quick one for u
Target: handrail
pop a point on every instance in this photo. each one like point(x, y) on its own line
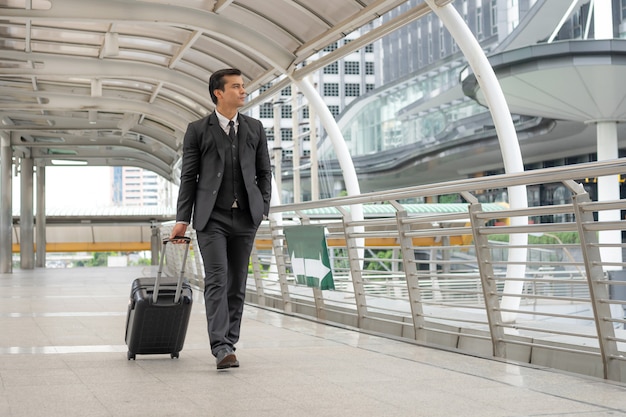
point(538, 176)
point(438, 278)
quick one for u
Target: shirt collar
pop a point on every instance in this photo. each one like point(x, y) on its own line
point(224, 120)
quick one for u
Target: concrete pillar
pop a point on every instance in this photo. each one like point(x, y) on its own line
point(315, 179)
point(40, 216)
point(608, 189)
point(27, 232)
point(278, 151)
point(6, 215)
point(295, 157)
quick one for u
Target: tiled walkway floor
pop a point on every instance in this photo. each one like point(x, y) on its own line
point(62, 354)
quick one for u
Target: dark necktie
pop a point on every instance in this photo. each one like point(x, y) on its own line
point(231, 131)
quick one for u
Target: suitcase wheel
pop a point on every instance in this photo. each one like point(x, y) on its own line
point(174, 355)
point(130, 355)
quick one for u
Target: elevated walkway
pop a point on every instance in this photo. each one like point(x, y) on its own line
point(62, 353)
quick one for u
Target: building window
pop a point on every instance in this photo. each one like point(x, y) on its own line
point(479, 21)
point(286, 134)
point(369, 87)
point(331, 89)
point(430, 47)
point(334, 110)
point(353, 90)
point(286, 91)
point(442, 42)
point(305, 138)
point(464, 10)
point(305, 112)
point(266, 111)
point(494, 17)
point(351, 68)
point(285, 111)
point(370, 47)
point(265, 87)
point(369, 68)
point(420, 53)
point(269, 133)
point(330, 47)
point(332, 68)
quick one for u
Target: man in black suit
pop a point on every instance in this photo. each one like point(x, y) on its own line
point(225, 182)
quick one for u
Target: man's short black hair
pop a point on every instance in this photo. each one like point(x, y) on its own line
point(217, 82)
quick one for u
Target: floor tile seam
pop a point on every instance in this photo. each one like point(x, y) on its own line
point(17, 315)
point(86, 296)
point(63, 314)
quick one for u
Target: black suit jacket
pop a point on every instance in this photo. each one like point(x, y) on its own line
point(203, 168)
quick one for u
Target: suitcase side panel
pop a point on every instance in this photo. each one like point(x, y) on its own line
point(157, 328)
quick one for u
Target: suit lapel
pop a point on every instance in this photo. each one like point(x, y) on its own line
point(215, 134)
point(242, 135)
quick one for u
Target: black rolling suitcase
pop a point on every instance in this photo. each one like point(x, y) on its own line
point(158, 312)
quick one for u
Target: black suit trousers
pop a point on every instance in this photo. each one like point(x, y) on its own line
point(225, 244)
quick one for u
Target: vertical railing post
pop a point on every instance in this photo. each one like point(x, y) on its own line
point(487, 278)
point(256, 273)
point(281, 264)
point(410, 271)
point(355, 262)
point(598, 290)
point(155, 243)
point(6, 203)
point(198, 264)
point(318, 294)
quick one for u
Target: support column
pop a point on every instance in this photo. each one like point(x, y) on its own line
point(608, 189)
point(278, 151)
point(335, 136)
point(315, 179)
point(295, 156)
point(343, 154)
point(40, 223)
point(27, 254)
point(507, 137)
point(6, 215)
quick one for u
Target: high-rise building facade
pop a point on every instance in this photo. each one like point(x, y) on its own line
point(420, 127)
point(138, 187)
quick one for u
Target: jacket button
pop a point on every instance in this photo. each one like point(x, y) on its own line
point(219, 174)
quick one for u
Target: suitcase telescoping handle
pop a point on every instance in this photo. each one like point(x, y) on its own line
point(179, 285)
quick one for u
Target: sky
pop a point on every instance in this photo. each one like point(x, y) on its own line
point(72, 187)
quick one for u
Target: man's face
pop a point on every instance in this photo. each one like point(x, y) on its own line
point(234, 94)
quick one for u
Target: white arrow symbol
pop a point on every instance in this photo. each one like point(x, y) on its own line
point(309, 267)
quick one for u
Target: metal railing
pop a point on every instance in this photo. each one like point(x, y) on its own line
point(443, 278)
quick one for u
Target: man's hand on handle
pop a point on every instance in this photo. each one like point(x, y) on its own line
point(178, 230)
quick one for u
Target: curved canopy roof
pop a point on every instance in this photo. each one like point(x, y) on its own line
point(115, 82)
point(578, 80)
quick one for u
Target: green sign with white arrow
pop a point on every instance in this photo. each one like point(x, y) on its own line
point(309, 256)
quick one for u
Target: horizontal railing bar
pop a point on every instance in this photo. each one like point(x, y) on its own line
point(535, 344)
point(538, 176)
point(546, 314)
point(549, 331)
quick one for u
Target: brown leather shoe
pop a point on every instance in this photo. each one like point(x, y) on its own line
point(226, 359)
point(235, 364)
